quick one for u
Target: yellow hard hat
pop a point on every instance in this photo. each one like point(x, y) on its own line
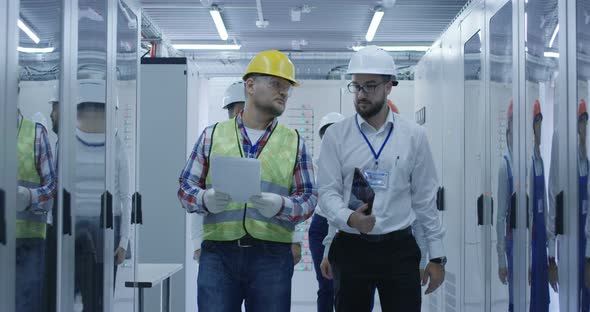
point(273, 63)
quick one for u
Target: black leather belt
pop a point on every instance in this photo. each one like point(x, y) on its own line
point(249, 241)
point(395, 235)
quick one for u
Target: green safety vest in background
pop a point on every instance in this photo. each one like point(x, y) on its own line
point(28, 224)
point(278, 159)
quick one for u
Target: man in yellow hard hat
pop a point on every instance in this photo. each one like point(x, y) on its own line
point(246, 252)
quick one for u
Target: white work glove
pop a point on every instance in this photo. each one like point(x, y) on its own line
point(215, 202)
point(23, 200)
point(268, 204)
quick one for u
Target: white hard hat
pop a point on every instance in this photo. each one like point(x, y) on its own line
point(234, 93)
point(372, 60)
point(91, 91)
point(54, 94)
point(330, 118)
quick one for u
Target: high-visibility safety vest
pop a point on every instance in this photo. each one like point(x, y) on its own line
point(278, 159)
point(28, 224)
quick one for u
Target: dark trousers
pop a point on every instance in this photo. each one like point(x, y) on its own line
point(89, 262)
point(391, 265)
point(317, 232)
point(50, 283)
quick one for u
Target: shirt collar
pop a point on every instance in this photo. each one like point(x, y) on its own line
point(363, 124)
point(241, 125)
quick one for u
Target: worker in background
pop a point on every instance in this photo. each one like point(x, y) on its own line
point(505, 242)
point(394, 155)
point(583, 168)
point(51, 241)
point(89, 183)
point(246, 251)
point(35, 195)
point(318, 230)
point(541, 236)
point(417, 231)
point(234, 100)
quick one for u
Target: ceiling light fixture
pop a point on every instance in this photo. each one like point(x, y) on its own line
point(551, 54)
point(216, 15)
point(207, 46)
point(397, 48)
point(552, 41)
point(377, 16)
point(28, 31)
point(35, 50)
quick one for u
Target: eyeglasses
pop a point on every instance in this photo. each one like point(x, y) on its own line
point(354, 87)
point(278, 85)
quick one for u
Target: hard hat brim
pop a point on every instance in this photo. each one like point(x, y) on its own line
point(294, 83)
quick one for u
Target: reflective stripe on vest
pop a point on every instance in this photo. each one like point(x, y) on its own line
point(278, 159)
point(28, 177)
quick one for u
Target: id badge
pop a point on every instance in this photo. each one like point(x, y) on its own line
point(585, 207)
point(377, 179)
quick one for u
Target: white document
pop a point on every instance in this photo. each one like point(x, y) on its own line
point(238, 177)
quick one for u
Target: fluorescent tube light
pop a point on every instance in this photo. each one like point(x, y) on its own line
point(28, 31)
point(374, 24)
point(551, 54)
point(553, 36)
point(207, 46)
point(35, 50)
point(397, 48)
point(218, 22)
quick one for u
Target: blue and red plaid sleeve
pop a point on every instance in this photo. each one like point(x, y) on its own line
point(300, 205)
point(192, 177)
point(43, 196)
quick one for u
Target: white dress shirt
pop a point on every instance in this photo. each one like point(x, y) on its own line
point(90, 180)
point(412, 183)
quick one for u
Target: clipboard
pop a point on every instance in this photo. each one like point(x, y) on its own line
point(361, 192)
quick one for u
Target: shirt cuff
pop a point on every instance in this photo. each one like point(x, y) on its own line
point(124, 243)
point(327, 250)
point(197, 243)
point(436, 249)
point(34, 198)
point(200, 202)
point(342, 220)
point(551, 248)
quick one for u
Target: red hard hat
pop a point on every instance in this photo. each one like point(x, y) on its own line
point(582, 109)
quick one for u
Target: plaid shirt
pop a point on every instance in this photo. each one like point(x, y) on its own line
point(296, 208)
point(43, 196)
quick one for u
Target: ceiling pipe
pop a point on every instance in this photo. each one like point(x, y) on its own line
point(261, 22)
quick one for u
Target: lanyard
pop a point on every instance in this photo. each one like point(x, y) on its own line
point(376, 155)
point(253, 147)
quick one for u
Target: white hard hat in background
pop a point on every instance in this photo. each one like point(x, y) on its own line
point(372, 60)
point(234, 93)
point(93, 91)
point(330, 118)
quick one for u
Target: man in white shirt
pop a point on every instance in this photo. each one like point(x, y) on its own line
point(90, 175)
point(377, 248)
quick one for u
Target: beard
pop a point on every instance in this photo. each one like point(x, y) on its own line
point(374, 108)
point(271, 109)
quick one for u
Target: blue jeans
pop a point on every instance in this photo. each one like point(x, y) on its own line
point(259, 275)
point(30, 270)
point(317, 232)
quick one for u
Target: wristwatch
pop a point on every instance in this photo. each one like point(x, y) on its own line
point(441, 260)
